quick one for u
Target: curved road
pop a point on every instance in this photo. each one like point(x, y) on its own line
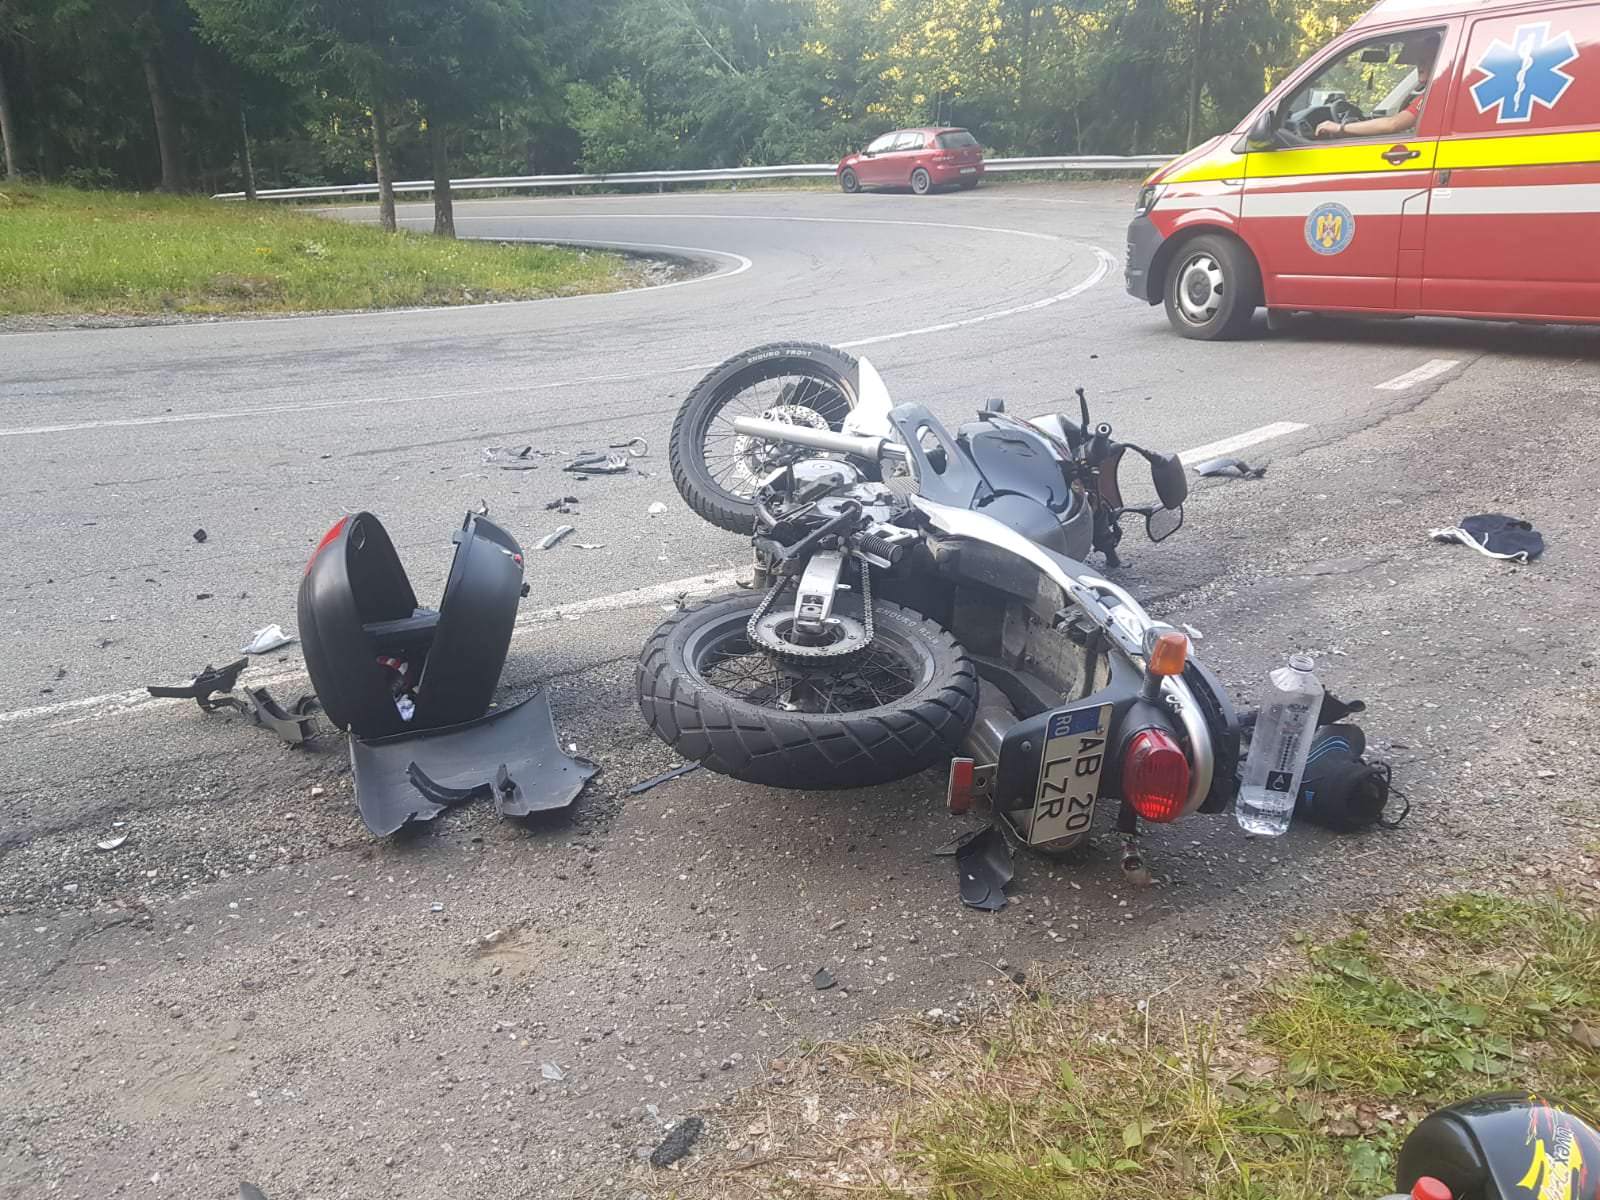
point(250, 986)
point(122, 442)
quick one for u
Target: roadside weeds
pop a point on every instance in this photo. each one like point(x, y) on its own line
point(70, 252)
point(1301, 1087)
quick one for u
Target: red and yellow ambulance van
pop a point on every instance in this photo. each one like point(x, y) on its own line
point(1440, 157)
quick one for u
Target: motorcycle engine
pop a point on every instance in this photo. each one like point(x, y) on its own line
point(828, 485)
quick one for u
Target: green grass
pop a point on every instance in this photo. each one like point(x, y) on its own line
point(1304, 1091)
point(64, 251)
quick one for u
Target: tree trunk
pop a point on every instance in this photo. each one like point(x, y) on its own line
point(444, 211)
point(1202, 38)
point(44, 146)
point(167, 135)
point(8, 131)
point(245, 160)
point(380, 163)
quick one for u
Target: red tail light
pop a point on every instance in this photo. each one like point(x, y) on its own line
point(1155, 776)
point(327, 540)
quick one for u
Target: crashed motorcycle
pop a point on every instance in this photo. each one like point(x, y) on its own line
point(921, 598)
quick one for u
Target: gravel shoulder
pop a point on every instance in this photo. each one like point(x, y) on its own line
point(252, 988)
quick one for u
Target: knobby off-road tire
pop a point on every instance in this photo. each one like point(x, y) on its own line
point(739, 732)
point(834, 376)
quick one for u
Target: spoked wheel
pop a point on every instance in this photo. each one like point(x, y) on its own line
point(921, 182)
point(717, 469)
point(808, 719)
point(849, 181)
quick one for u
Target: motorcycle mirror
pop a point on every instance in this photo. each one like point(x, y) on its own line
point(1162, 523)
point(1172, 484)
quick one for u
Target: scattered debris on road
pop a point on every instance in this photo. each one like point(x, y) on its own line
point(636, 447)
point(508, 458)
point(1233, 468)
point(266, 640)
point(111, 843)
point(983, 867)
point(551, 1072)
point(590, 545)
point(1495, 535)
point(656, 509)
point(203, 686)
point(200, 536)
point(823, 979)
point(677, 1142)
point(644, 785)
point(561, 504)
point(592, 462)
point(550, 540)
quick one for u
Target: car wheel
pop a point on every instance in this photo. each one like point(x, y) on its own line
point(921, 182)
point(1212, 289)
point(849, 182)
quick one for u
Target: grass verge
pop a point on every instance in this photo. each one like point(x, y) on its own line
point(1304, 1088)
point(64, 251)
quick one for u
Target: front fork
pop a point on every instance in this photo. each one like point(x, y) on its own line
point(1107, 534)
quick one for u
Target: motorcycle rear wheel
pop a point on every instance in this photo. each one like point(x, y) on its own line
point(712, 466)
point(901, 706)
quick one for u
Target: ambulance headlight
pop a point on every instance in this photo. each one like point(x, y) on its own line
point(1148, 195)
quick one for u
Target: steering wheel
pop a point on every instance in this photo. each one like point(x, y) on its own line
point(1342, 110)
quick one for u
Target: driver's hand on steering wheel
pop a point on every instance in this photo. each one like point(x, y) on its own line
point(1330, 129)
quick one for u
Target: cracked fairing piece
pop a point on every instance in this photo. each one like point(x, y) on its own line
point(203, 686)
point(984, 868)
point(510, 754)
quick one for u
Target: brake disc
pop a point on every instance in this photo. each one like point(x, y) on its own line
point(760, 457)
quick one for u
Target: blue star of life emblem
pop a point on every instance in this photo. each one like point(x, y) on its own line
point(1524, 73)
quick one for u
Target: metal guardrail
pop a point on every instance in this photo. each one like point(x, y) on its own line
point(511, 183)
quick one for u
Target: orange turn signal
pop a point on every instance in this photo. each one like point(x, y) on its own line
point(1169, 654)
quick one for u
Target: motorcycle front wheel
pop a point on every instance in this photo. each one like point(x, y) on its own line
point(884, 713)
point(716, 469)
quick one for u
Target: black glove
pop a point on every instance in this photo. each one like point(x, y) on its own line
point(1340, 789)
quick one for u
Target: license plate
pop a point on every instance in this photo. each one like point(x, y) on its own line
point(1069, 774)
point(969, 170)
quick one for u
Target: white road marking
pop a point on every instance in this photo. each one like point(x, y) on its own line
point(1232, 445)
point(90, 708)
point(1431, 369)
point(1105, 263)
point(744, 263)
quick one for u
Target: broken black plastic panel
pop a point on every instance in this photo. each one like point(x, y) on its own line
point(511, 754)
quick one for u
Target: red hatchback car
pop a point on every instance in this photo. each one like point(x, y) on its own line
point(921, 159)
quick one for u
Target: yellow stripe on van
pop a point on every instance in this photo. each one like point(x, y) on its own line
point(1363, 159)
point(1520, 150)
point(1504, 150)
point(1210, 170)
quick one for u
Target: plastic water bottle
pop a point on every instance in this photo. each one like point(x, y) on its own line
point(1278, 748)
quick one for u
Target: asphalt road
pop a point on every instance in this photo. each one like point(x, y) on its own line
point(251, 986)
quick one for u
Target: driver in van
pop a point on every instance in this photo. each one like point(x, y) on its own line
point(1419, 52)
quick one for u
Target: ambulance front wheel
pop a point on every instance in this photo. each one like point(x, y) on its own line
point(1212, 288)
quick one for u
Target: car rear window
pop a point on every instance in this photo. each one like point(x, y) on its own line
point(957, 139)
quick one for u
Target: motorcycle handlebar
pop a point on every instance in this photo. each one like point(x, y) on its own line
point(873, 448)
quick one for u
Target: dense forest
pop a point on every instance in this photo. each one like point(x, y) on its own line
point(227, 94)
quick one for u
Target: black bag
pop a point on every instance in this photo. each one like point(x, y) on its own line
point(1340, 789)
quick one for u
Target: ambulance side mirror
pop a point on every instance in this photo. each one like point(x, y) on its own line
point(1263, 133)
